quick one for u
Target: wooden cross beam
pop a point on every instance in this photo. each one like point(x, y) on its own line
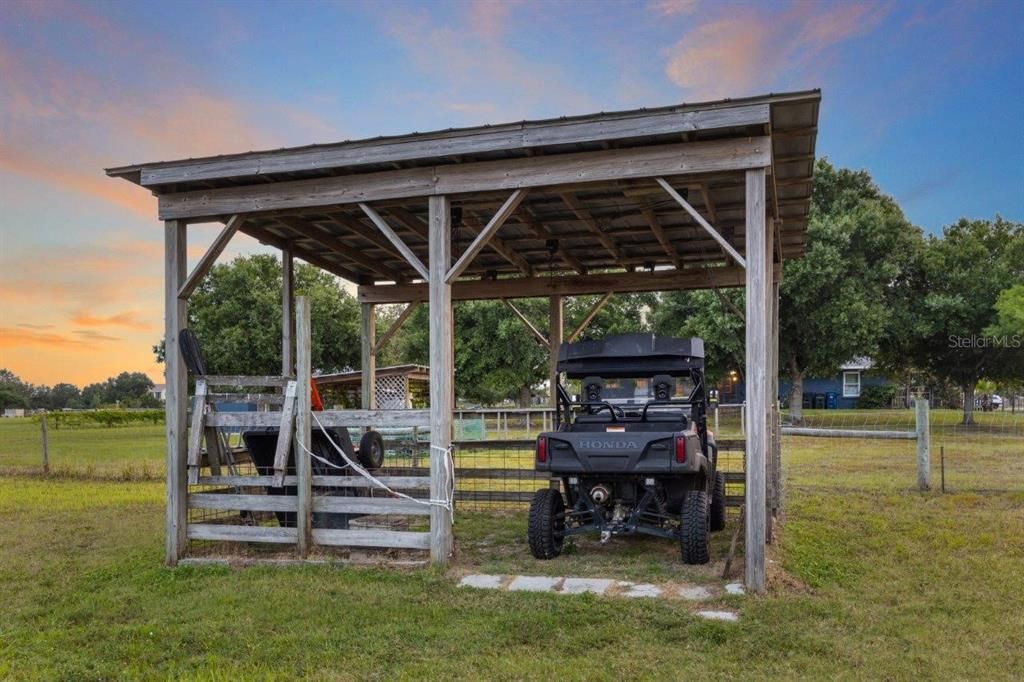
point(492, 227)
point(529, 325)
point(395, 326)
point(594, 310)
point(210, 257)
point(474, 224)
point(703, 223)
point(406, 252)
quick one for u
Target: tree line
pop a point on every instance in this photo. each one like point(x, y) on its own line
point(127, 389)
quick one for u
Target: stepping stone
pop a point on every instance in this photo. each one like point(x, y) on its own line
point(585, 585)
point(534, 583)
point(642, 590)
point(696, 593)
point(735, 588)
point(488, 582)
point(728, 616)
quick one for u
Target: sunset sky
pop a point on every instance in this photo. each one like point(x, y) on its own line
point(929, 97)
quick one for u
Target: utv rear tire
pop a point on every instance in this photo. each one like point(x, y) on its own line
point(718, 503)
point(695, 528)
point(371, 450)
point(546, 530)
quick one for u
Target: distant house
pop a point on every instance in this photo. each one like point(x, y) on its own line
point(841, 390)
point(14, 412)
point(159, 391)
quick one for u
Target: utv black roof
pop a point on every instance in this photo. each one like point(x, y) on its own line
point(630, 355)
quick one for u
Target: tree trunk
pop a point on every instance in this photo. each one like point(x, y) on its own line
point(524, 396)
point(968, 405)
point(796, 394)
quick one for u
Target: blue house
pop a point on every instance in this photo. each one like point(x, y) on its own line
point(842, 390)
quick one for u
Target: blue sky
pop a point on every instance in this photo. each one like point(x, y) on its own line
point(927, 96)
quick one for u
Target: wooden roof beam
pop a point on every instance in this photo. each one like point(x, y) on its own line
point(542, 232)
point(660, 235)
point(264, 236)
point(341, 248)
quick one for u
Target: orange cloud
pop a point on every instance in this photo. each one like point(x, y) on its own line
point(129, 319)
point(748, 51)
point(11, 337)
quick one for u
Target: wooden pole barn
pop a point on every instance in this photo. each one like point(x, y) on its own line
point(693, 196)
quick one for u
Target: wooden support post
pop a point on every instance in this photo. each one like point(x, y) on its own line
point(303, 427)
point(924, 464)
point(756, 376)
point(287, 312)
point(777, 416)
point(176, 409)
point(442, 361)
point(555, 330)
point(368, 355)
point(770, 392)
point(46, 444)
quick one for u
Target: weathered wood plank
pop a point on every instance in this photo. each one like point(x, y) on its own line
point(591, 314)
point(614, 164)
point(537, 334)
point(287, 311)
point(702, 222)
point(368, 356)
point(284, 434)
point(242, 381)
point(556, 327)
point(395, 326)
point(396, 539)
point(848, 433)
point(214, 531)
point(210, 257)
point(369, 505)
point(329, 418)
point(176, 402)
point(924, 465)
point(303, 426)
point(455, 143)
point(195, 432)
point(275, 503)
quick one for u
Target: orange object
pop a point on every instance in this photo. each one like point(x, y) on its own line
point(315, 400)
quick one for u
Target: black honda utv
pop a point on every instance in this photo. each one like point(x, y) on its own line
point(631, 447)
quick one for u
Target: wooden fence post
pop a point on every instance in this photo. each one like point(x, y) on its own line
point(46, 444)
point(923, 446)
point(303, 427)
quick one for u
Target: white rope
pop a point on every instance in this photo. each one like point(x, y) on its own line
point(448, 502)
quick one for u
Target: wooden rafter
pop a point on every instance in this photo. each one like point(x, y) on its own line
point(409, 221)
point(541, 338)
point(339, 246)
point(587, 219)
point(542, 232)
point(364, 231)
point(659, 234)
point(486, 234)
point(702, 222)
point(591, 314)
point(265, 236)
point(393, 237)
point(210, 257)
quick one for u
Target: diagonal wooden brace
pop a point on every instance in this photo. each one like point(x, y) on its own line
point(284, 435)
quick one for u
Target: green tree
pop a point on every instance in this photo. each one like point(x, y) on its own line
point(236, 314)
point(14, 392)
point(1009, 308)
point(711, 316)
point(835, 299)
point(958, 300)
point(63, 395)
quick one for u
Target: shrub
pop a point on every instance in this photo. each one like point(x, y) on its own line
point(877, 396)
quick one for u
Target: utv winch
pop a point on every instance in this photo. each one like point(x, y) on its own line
point(631, 449)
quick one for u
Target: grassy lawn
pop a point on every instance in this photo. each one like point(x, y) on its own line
point(870, 580)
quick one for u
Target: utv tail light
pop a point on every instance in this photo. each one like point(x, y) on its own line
point(542, 449)
point(680, 449)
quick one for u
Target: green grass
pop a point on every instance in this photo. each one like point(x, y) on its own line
point(870, 580)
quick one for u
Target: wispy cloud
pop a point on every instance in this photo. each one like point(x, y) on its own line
point(673, 7)
point(13, 337)
point(92, 335)
point(26, 325)
point(129, 319)
point(748, 51)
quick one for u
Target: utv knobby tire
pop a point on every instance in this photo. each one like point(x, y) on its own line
point(695, 528)
point(718, 503)
point(546, 530)
point(371, 450)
